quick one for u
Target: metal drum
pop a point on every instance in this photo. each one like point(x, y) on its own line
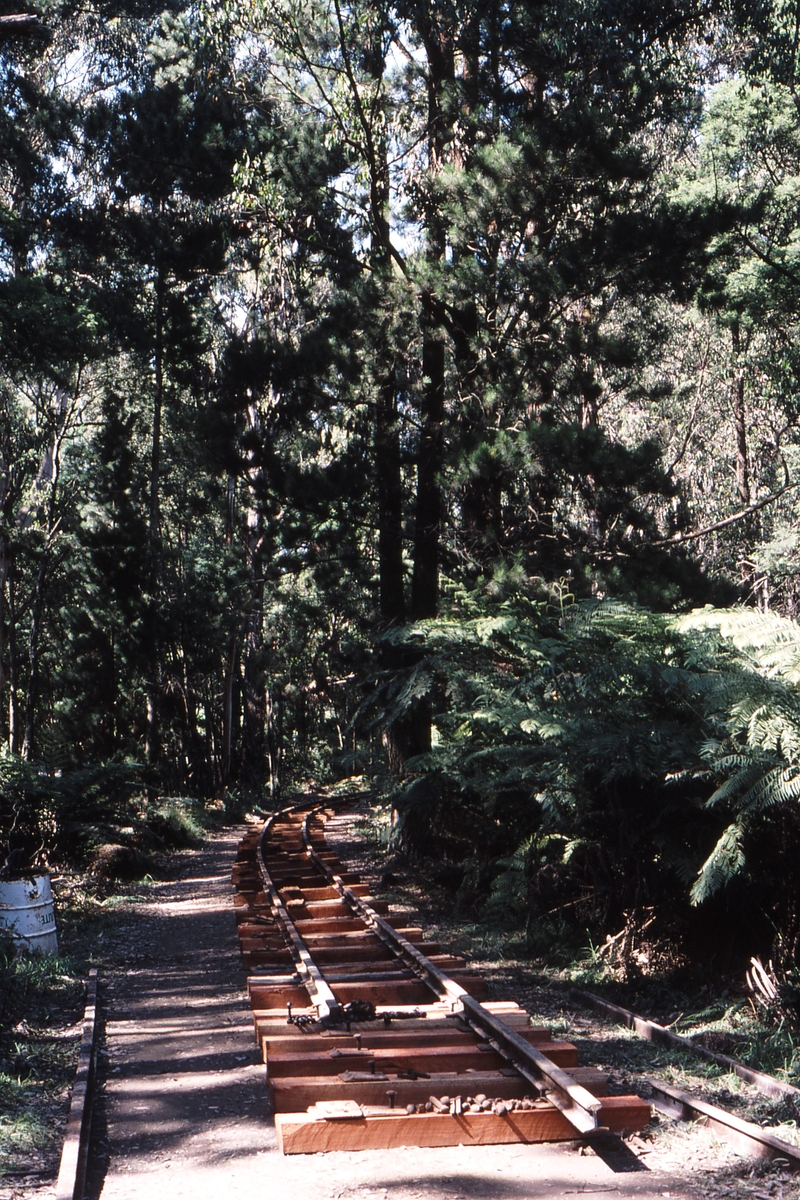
point(26, 913)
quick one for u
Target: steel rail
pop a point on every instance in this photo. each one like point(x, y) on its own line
point(651, 1031)
point(321, 995)
point(749, 1139)
point(577, 1104)
point(574, 1101)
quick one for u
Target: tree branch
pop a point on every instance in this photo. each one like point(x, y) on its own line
point(771, 262)
point(15, 24)
point(740, 516)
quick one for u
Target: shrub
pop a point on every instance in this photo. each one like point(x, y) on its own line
point(597, 765)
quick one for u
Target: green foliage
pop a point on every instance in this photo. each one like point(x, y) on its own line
point(49, 815)
point(32, 991)
point(302, 305)
point(755, 753)
point(175, 822)
point(607, 762)
point(53, 817)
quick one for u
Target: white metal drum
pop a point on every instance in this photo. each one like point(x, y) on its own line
point(26, 913)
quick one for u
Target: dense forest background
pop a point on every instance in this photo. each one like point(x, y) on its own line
point(411, 391)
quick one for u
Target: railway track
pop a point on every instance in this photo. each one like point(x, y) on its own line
point(373, 1038)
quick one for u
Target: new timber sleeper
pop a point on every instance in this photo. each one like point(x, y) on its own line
point(373, 1038)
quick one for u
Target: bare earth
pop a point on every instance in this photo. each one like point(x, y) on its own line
point(185, 1112)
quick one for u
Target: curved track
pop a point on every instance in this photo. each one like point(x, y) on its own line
point(372, 1038)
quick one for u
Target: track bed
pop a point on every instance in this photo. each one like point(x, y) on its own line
point(373, 1038)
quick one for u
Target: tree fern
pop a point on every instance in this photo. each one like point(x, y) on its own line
point(607, 748)
point(726, 860)
point(756, 707)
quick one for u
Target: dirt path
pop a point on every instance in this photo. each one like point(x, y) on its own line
point(185, 1109)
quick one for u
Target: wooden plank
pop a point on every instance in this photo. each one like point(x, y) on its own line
point(265, 961)
point(411, 933)
point(397, 1038)
point(294, 876)
point(342, 941)
point(330, 893)
point(296, 1095)
point(268, 1021)
point(248, 928)
point(383, 973)
point(378, 987)
point(411, 991)
point(299, 1133)
point(317, 910)
point(334, 1060)
point(265, 996)
point(278, 995)
point(260, 943)
point(254, 960)
point(268, 958)
point(328, 925)
point(341, 958)
point(325, 955)
point(342, 924)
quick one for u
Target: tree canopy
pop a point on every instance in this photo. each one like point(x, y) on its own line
point(410, 390)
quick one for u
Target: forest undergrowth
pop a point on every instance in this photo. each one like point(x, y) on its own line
point(718, 1012)
point(42, 997)
point(40, 1027)
point(41, 1008)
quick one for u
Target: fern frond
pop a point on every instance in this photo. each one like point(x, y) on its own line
point(726, 860)
point(775, 787)
point(772, 642)
point(572, 847)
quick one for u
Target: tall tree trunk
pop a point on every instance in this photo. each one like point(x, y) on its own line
point(28, 747)
point(391, 575)
point(253, 758)
point(254, 715)
point(5, 566)
point(46, 486)
point(411, 735)
point(428, 517)
point(740, 418)
point(439, 52)
point(228, 714)
point(390, 504)
point(480, 495)
point(387, 434)
point(390, 552)
point(274, 742)
point(154, 674)
point(13, 665)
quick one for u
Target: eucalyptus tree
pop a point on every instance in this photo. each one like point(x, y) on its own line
point(152, 235)
point(745, 163)
point(48, 340)
point(291, 444)
point(501, 174)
